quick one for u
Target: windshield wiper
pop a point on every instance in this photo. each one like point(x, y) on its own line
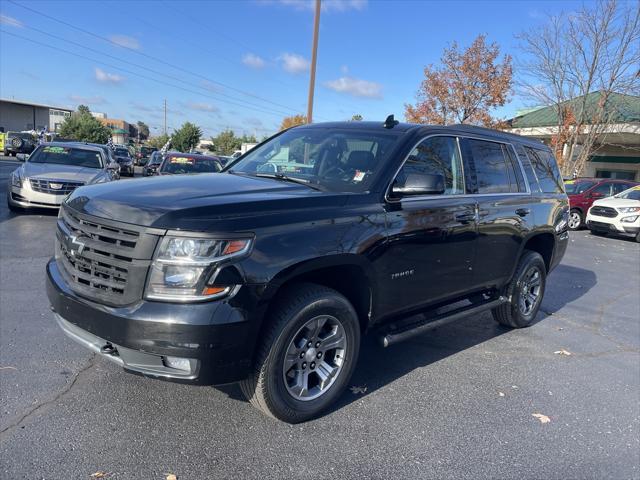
point(283, 177)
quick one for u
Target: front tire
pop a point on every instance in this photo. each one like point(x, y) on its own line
point(307, 354)
point(524, 292)
point(576, 219)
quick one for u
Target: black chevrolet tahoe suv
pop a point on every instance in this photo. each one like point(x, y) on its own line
point(269, 273)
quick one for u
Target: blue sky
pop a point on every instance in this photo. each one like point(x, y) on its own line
point(242, 64)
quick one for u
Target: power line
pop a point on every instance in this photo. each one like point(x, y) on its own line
point(156, 72)
point(58, 49)
point(87, 32)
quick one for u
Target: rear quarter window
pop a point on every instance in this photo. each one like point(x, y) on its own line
point(546, 170)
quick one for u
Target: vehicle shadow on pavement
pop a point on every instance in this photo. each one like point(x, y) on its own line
point(378, 366)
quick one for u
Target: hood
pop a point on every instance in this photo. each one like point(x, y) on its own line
point(182, 201)
point(617, 202)
point(51, 171)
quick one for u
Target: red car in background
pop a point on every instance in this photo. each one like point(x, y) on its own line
point(583, 192)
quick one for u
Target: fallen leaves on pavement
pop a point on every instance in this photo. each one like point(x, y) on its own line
point(562, 352)
point(99, 475)
point(501, 394)
point(171, 476)
point(541, 417)
point(358, 390)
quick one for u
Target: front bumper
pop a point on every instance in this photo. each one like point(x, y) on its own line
point(613, 225)
point(25, 197)
point(126, 169)
point(216, 337)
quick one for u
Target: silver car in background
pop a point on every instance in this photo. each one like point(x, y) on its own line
point(54, 170)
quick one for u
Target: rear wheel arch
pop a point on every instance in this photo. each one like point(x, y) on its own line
point(544, 243)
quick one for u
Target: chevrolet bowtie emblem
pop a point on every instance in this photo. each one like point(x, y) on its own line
point(76, 247)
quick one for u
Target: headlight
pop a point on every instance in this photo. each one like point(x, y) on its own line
point(184, 268)
point(629, 209)
point(16, 178)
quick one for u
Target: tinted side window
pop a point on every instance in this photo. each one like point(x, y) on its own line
point(604, 189)
point(620, 187)
point(546, 170)
point(436, 156)
point(494, 173)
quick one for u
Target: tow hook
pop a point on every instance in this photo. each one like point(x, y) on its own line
point(109, 349)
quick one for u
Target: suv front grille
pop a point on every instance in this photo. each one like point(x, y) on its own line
point(604, 211)
point(103, 260)
point(55, 187)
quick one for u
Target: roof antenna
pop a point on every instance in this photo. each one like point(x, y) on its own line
point(390, 122)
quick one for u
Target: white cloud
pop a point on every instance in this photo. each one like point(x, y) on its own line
point(202, 107)
point(355, 87)
point(125, 41)
point(253, 61)
point(326, 5)
point(79, 99)
point(294, 63)
point(106, 77)
point(10, 21)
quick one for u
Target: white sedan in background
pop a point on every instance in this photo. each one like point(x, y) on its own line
point(619, 214)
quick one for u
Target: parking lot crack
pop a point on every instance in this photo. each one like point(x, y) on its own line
point(43, 405)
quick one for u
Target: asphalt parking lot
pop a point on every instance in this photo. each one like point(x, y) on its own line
point(458, 402)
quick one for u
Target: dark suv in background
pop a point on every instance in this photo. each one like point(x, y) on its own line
point(19, 142)
point(269, 273)
point(584, 191)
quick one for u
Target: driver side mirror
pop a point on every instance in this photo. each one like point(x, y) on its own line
point(23, 157)
point(420, 184)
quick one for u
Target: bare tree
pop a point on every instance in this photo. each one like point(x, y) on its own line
point(575, 63)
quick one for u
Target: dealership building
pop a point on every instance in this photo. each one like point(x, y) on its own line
point(616, 150)
point(17, 116)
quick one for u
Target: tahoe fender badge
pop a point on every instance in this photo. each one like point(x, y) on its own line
point(406, 273)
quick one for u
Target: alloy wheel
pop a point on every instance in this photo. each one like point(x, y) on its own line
point(530, 288)
point(574, 220)
point(314, 358)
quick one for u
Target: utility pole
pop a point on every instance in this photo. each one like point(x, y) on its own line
point(165, 116)
point(314, 57)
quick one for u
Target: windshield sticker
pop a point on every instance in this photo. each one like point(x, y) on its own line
point(359, 176)
point(569, 182)
point(59, 150)
point(181, 160)
point(637, 187)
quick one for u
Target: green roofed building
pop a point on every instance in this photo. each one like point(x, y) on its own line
point(617, 154)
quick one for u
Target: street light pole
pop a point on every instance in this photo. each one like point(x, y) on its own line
point(314, 57)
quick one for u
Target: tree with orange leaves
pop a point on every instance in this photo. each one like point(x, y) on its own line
point(293, 121)
point(465, 88)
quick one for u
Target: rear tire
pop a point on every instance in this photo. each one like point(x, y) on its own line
point(576, 219)
point(292, 381)
point(524, 292)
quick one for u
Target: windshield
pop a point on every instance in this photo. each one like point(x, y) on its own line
point(632, 194)
point(155, 159)
point(573, 187)
point(122, 152)
point(176, 164)
point(67, 156)
point(337, 160)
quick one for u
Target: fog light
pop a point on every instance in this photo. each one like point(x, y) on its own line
point(178, 363)
point(629, 219)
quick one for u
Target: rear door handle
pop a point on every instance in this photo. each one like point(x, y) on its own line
point(523, 212)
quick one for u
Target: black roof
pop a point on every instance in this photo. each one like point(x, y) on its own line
point(406, 127)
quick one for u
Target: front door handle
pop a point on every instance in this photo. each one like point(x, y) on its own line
point(523, 212)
